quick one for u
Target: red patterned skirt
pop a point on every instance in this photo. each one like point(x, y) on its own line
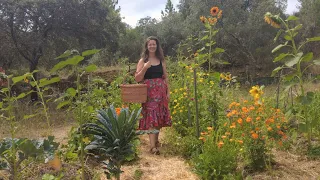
point(155, 111)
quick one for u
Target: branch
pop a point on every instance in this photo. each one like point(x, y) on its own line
point(14, 39)
point(246, 50)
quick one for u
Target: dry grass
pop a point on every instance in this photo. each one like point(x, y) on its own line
point(37, 126)
point(153, 167)
point(291, 167)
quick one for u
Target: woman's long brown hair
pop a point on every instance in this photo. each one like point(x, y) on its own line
point(159, 51)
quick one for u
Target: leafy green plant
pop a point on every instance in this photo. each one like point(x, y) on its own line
point(41, 87)
point(52, 177)
point(112, 137)
point(7, 108)
point(297, 62)
point(218, 158)
point(23, 150)
point(183, 145)
point(74, 98)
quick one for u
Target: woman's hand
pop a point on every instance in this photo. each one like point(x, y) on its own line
point(147, 65)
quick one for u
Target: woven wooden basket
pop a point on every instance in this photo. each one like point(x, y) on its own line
point(134, 93)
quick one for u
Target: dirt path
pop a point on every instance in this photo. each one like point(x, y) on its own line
point(153, 167)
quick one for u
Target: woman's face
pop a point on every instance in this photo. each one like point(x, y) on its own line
point(152, 46)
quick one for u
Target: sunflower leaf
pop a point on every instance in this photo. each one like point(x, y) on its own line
point(276, 70)
point(316, 62)
point(293, 61)
point(281, 56)
point(278, 48)
point(292, 18)
point(313, 39)
point(278, 34)
point(308, 57)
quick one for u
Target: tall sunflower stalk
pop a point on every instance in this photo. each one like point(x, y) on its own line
point(210, 24)
point(293, 60)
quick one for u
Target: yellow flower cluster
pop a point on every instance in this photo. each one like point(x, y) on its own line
point(226, 76)
point(256, 92)
point(182, 94)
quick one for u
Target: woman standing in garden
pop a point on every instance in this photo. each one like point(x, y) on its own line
point(151, 69)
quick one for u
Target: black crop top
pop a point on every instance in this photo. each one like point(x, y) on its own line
point(154, 72)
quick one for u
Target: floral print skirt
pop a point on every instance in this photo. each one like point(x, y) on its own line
point(155, 111)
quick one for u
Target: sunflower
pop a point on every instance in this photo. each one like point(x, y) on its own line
point(203, 19)
point(228, 77)
point(222, 76)
point(220, 14)
point(214, 11)
point(256, 92)
point(212, 21)
point(273, 20)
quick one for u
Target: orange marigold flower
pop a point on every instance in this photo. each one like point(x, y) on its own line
point(233, 112)
point(203, 19)
point(214, 11)
point(254, 135)
point(240, 141)
point(249, 119)
point(118, 110)
point(223, 137)
point(245, 101)
point(280, 143)
point(284, 136)
point(278, 126)
point(240, 121)
point(258, 118)
point(209, 128)
point(203, 133)
point(220, 144)
point(202, 139)
point(238, 104)
point(229, 114)
point(257, 129)
point(233, 125)
point(269, 128)
point(244, 109)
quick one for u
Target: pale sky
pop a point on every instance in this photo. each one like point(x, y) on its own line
point(133, 10)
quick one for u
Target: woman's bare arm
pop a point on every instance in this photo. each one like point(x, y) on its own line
point(141, 70)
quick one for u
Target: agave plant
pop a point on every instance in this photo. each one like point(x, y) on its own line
point(113, 135)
